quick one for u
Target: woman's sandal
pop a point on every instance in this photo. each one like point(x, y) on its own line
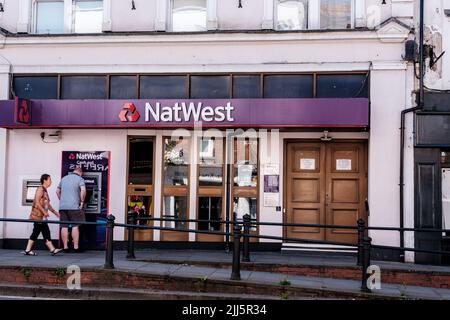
point(56, 251)
point(29, 253)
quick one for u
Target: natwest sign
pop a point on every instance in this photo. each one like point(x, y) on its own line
point(186, 112)
point(180, 113)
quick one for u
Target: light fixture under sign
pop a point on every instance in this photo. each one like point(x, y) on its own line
point(325, 136)
point(57, 135)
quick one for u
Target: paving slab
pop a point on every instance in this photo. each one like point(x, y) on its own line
point(95, 259)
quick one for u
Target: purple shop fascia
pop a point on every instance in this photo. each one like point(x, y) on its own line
point(233, 113)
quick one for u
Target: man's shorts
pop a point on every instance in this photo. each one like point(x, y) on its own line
point(71, 215)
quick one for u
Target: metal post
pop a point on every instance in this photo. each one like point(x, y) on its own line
point(361, 228)
point(109, 264)
point(367, 244)
point(246, 240)
point(236, 269)
point(132, 221)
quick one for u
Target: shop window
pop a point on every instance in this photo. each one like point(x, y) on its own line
point(292, 14)
point(175, 209)
point(245, 177)
point(163, 87)
point(123, 87)
point(83, 87)
point(210, 87)
point(49, 16)
point(211, 154)
point(176, 161)
point(245, 162)
point(36, 87)
point(209, 208)
point(140, 184)
point(189, 15)
point(246, 86)
point(243, 206)
point(176, 155)
point(342, 86)
point(140, 161)
point(141, 207)
point(288, 86)
point(87, 16)
point(336, 14)
point(210, 162)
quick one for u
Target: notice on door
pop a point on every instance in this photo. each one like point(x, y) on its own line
point(344, 164)
point(307, 164)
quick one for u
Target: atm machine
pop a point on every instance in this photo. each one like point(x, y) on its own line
point(94, 237)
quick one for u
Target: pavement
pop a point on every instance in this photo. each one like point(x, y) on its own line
point(168, 263)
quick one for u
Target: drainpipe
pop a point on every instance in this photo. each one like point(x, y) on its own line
point(402, 124)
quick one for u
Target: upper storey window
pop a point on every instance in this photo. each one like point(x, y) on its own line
point(292, 14)
point(335, 14)
point(189, 15)
point(49, 16)
point(314, 14)
point(67, 16)
point(87, 16)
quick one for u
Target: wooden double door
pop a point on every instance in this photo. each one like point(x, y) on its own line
point(326, 183)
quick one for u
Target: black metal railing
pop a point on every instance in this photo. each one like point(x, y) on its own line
point(363, 246)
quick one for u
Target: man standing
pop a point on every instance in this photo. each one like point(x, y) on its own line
point(71, 192)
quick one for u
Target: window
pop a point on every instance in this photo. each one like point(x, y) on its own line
point(176, 153)
point(188, 15)
point(245, 162)
point(246, 86)
point(243, 206)
point(292, 14)
point(210, 162)
point(83, 87)
point(140, 184)
point(49, 16)
point(36, 87)
point(209, 208)
point(140, 161)
point(342, 86)
point(175, 210)
point(335, 14)
point(123, 87)
point(211, 154)
point(288, 86)
point(245, 177)
point(87, 16)
point(163, 87)
point(210, 87)
point(176, 161)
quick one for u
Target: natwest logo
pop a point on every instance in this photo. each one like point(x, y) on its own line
point(192, 111)
point(86, 156)
point(129, 113)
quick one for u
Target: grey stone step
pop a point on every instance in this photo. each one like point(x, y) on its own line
point(34, 292)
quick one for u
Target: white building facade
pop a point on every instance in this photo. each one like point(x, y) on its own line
point(308, 54)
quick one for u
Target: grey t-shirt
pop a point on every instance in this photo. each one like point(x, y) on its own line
point(70, 187)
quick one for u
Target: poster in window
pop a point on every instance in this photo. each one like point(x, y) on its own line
point(271, 190)
point(245, 175)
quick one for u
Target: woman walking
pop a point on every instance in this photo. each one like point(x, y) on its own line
point(39, 212)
